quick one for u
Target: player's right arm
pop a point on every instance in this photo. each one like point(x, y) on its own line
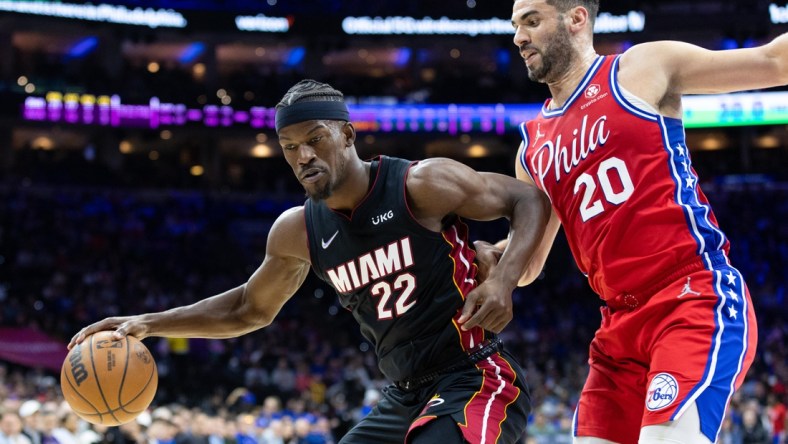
point(661, 72)
point(488, 254)
point(235, 312)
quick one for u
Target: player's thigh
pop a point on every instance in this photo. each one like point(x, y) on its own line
point(388, 421)
point(440, 430)
point(611, 403)
point(497, 402)
point(702, 353)
point(684, 430)
point(487, 403)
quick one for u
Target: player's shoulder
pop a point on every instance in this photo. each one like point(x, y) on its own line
point(649, 53)
point(435, 168)
point(293, 212)
point(288, 234)
point(290, 219)
point(438, 176)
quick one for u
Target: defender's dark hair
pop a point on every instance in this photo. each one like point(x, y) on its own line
point(564, 5)
point(309, 90)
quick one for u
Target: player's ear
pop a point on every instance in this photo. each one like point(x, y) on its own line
point(577, 18)
point(350, 133)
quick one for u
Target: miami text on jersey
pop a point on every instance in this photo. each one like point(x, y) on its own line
point(375, 264)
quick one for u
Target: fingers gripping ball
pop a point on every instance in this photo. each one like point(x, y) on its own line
point(109, 382)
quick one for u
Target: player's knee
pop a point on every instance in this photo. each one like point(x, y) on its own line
point(663, 434)
point(590, 440)
point(685, 430)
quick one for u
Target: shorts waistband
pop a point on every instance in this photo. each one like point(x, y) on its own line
point(482, 351)
point(631, 300)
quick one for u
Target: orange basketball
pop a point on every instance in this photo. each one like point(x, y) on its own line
point(109, 382)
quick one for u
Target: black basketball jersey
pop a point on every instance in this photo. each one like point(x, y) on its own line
point(404, 283)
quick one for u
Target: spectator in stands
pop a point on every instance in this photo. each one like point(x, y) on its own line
point(753, 430)
point(11, 429)
point(29, 411)
point(776, 412)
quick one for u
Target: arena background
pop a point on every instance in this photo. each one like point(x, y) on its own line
point(139, 171)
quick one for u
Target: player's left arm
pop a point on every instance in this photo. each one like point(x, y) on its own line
point(439, 187)
point(666, 70)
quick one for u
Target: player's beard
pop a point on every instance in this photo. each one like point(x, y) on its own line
point(327, 189)
point(557, 56)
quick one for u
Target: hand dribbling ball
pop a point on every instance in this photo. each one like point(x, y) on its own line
point(109, 382)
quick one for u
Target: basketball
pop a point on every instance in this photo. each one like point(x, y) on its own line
point(109, 382)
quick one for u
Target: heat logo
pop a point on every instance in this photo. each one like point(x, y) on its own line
point(435, 401)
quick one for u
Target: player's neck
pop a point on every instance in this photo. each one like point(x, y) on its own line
point(354, 188)
point(564, 86)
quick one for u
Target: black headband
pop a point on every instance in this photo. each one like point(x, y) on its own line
point(303, 111)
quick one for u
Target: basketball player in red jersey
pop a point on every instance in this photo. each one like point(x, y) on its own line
point(678, 332)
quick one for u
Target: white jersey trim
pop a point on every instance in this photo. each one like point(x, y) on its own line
point(623, 98)
point(636, 101)
point(547, 113)
point(523, 157)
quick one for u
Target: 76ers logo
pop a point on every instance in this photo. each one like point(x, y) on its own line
point(663, 390)
point(592, 91)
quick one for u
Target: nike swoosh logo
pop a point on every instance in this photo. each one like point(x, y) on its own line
point(328, 242)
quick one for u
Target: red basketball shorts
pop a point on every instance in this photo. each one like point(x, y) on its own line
point(692, 342)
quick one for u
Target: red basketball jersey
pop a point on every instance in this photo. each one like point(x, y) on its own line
point(619, 177)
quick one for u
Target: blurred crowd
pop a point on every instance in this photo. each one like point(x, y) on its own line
point(73, 255)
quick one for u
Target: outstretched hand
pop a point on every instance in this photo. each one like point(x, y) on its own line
point(122, 326)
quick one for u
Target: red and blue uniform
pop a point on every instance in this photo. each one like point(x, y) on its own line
point(678, 326)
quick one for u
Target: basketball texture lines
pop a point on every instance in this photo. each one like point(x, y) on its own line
point(109, 382)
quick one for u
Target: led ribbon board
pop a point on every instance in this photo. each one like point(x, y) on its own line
point(768, 108)
point(633, 21)
point(150, 17)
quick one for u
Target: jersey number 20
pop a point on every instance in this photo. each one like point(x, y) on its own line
point(589, 209)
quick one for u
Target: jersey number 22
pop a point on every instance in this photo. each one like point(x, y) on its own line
point(405, 282)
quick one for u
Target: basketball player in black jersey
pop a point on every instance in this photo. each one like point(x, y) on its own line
point(387, 235)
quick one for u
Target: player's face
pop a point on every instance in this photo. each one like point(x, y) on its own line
point(544, 42)
point(315, 151)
